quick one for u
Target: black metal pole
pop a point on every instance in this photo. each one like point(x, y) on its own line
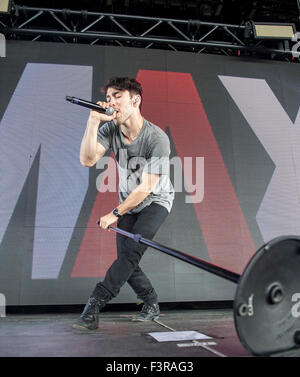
point(219, 271)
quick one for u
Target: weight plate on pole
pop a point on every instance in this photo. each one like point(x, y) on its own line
point(266, 313)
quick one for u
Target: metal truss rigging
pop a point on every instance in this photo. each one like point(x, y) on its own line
point(73, 26)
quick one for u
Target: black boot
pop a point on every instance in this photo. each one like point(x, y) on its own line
point(149, 312)
point(89, 319)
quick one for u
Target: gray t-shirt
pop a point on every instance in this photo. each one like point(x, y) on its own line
point(149, 153)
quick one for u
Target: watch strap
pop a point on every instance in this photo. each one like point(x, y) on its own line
point(116, 212)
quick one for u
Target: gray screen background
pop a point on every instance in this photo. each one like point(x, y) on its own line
point(47, 197)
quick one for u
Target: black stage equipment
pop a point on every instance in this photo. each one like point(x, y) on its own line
point(266, 312)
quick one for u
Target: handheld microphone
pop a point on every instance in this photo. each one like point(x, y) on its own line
point(90, 105)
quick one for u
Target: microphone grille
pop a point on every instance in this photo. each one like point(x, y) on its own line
point(109, 111)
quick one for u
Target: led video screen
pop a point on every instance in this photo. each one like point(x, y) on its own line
point(233, 125)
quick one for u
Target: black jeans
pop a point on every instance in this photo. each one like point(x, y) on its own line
point(126, 267)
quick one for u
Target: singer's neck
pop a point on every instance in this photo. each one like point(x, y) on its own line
point(132, 126)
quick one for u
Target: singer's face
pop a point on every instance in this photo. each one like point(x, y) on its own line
point(122, 102)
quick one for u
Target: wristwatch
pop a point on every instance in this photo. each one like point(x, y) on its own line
point(116, 212)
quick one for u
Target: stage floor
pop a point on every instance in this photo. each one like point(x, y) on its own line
point(52, 335)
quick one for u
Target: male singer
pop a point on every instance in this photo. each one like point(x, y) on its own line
point(146, 194)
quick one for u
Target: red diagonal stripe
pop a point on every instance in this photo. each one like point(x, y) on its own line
point(171, 99)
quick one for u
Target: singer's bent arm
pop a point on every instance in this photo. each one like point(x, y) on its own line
point(100, 152)
point(147, 185)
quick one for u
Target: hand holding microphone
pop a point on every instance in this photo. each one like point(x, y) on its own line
point(108, 112)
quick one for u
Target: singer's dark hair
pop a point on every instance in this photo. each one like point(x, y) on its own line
point(125, 83)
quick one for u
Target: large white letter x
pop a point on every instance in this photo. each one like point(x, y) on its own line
point(279, 213)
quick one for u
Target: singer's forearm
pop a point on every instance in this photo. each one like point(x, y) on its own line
point(88, 149)
point(149, 181)
point(135, 198)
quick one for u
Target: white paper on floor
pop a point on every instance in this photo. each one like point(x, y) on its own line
point(173, 336)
